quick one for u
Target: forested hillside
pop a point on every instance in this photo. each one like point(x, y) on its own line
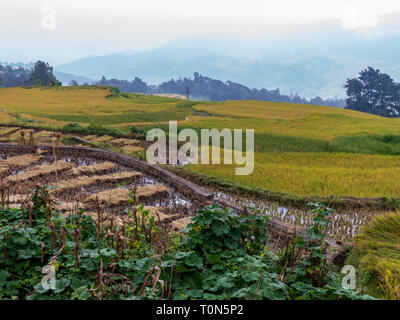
point(200, 87)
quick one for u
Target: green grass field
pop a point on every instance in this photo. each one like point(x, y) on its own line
point(302, 149)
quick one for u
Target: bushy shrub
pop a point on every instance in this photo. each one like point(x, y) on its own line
point(138, 132)
point(93, 128)
point(224, 256)
point(114, 91)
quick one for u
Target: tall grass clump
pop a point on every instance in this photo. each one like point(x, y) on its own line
point(377, 255)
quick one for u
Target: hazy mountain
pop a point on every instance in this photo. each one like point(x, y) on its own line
point(309, 62)
point(66, 78)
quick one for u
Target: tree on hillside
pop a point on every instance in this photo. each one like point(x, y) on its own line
point(373, 92)
point(136, 85)
point(42, 74)
point(103, 81)
point(188, 84)
point(73, 83)
point(13, 77)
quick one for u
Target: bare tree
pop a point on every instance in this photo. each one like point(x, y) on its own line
point(188, 83)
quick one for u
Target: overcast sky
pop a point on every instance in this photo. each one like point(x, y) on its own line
point(62, 30)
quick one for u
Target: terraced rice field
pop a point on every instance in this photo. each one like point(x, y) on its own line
point(300, 149)
point(85, 183)
point(90, 185)
point(44, 137)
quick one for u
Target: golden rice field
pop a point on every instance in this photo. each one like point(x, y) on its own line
point(317, 174)
point(301, 149)
point(68, 104)
point(89, 104)
point(4, 117)
point(308, 121)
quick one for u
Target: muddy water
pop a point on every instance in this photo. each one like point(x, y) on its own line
point(344, 224)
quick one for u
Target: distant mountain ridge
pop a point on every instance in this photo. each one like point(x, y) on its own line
point(66, 78)
point(312, 64)
point(199, 88)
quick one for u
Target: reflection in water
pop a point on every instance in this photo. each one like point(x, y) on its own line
point(344, 224)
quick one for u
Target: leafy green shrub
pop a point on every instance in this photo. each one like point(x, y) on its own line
point(224, 256)
point(306, 270)
point(93, 128)
point(215, 230)
point(85, 260)
point(138, 132)
point(114, 91)
point(101, 130)
point(73, 127)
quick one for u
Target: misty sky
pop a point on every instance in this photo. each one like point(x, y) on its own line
point(59, 31)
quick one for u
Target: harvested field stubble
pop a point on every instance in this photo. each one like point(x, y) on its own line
point(17, 198)
point(4, 170)
point(94, 168)
point(6, 131)
point(21, 161)
point(181, 223)
point(119, 196)
point(159, 214)
point(79, 180)
point(35, 172)
point(102, 139)
point(125, 142)
point(85, 181)
point(69, 207)
point(132, 149)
